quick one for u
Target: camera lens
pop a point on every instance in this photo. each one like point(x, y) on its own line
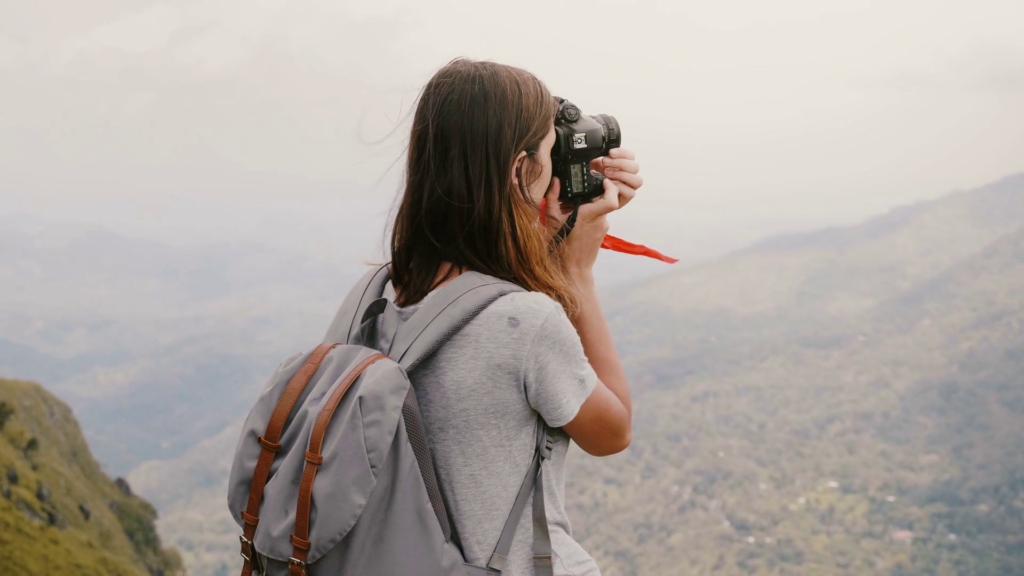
point(612, 133)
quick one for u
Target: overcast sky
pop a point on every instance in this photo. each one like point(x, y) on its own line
point(284, 122)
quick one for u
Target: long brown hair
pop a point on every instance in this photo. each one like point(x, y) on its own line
point(460, 204)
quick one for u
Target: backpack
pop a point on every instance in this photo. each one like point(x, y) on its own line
point(332, 474)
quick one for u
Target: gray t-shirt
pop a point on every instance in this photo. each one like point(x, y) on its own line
point(480, 394)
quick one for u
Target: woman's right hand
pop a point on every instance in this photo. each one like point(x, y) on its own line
point(584, 242)
point(581, 246)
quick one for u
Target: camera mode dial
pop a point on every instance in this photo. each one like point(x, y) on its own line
point(571, 113)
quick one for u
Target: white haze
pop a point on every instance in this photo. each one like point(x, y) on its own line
point(273, 122)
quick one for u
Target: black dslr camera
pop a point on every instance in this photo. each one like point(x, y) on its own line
point(580, 139)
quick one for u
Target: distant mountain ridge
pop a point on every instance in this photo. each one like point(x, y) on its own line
point(847, 268)
point(124, 329)
point(998, 203)
point(808, 287)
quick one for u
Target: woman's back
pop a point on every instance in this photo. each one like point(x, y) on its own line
point(479, 396)
point(480, 195)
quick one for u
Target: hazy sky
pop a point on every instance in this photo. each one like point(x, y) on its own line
point(260, 120)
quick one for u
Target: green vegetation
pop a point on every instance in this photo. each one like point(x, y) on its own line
point(59, 513)
point(856, 406)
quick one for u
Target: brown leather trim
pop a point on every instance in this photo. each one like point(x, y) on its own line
point(300, 544)
point(269, 443)
point(272, 446)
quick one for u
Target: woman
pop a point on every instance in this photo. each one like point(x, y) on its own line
point(479, 166)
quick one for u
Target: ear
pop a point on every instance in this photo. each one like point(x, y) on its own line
point(516, 165)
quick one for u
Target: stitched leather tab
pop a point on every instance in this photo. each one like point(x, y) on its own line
point(300, 543)
point(267, 444)
point(314, 458)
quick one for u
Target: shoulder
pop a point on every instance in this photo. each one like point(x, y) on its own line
point(530, 309)
point(516, 318)
point(527, 301)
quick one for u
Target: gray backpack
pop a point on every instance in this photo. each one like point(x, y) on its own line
point(332, 474)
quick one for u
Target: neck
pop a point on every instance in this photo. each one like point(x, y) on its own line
point(439, 279)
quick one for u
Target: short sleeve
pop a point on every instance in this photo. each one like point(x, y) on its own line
point(557, 375)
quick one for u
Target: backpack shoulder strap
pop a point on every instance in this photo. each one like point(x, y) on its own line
point(367, 289)
point(455, 304)
point(533, 482)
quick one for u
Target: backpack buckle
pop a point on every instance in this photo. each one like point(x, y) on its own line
point(546, 445)
point(301, 565)
point(248, 553)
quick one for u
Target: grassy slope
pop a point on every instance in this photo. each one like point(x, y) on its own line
point(42, 442)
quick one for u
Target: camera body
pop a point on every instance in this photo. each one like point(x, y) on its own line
point(578, 140)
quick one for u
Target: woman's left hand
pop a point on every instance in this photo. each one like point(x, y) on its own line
point(621, 168)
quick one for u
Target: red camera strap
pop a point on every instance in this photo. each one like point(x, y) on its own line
point(618, 244)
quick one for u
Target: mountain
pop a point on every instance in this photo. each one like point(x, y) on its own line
point(190, 492)
point(139, 337)
point(803, 289)
point(848, 401)
point(845, 402)
point(59, 514)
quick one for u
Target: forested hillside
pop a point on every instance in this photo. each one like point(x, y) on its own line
point(847, 402)
point(59, 514)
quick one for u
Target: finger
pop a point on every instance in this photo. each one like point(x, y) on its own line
point(626, 194)
point(552, 209)
point(553, 190)
point(608, 202)
point(619, 165)
point(611, 195)
point(632, 180)
point(622, 153)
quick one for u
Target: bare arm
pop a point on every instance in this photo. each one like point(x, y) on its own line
point(603, 426)
point(604, 422)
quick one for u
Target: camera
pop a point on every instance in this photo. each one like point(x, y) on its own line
point(579, 139)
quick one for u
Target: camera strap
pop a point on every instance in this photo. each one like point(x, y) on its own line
point(619, 245)
point(570, 223)
point(609, 242)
